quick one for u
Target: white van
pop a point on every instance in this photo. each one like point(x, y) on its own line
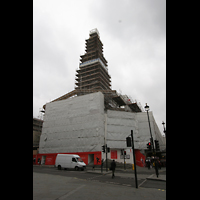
point(69, 161)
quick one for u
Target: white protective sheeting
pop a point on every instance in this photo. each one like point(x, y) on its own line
point(79, 124)
point(74, 125)
point(120, 124)
point(144, 131)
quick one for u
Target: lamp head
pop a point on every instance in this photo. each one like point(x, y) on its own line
point(146, 107)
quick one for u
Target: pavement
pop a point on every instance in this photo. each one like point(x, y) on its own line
point(130, 173)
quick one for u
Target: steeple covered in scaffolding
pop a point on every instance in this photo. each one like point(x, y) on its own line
point(93, 71)
point(92, 76)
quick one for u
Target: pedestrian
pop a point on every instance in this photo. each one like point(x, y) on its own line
point(97, 160)
point(112, 167)
point(156, 167)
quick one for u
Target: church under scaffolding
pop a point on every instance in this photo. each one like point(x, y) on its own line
point(92, 115)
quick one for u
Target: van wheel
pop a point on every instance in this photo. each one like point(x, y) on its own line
point(59, 167)
point(76, 168)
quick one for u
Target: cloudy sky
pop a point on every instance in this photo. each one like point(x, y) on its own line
point(133, 33)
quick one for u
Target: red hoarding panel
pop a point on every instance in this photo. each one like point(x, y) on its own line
point(113, 154)
point(97, 158)
point(50, 158)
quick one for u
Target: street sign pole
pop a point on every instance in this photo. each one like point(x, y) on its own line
point(124, 160)
point(106, 158)
point(136, 183)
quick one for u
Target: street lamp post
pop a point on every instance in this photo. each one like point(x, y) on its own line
point(163, 123)
point(147, 109)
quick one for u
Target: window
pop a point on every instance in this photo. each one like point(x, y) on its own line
point(79, 159)
point(74, 160)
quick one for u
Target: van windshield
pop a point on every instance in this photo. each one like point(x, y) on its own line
point(79, 160)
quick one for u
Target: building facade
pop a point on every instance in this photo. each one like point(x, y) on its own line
point(81, 125)
point(92, 115)
point(37, 130)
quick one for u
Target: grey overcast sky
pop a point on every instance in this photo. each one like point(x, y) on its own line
point(133, 33)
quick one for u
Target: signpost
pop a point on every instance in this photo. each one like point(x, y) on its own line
point(136, 183)
point(130, 142)
point(106, 150)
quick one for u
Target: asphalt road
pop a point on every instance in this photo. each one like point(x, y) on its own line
point(58, 187)
point(120, 179)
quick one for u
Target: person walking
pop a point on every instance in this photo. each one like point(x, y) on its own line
point(112, 167)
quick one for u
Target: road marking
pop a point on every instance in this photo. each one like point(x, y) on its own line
point(94, 177)
point(142, 182)
point(161, 190)
point(114, 183)
point(68, 194)
point(150, 176)
point(80, 179)
point(126, 185)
